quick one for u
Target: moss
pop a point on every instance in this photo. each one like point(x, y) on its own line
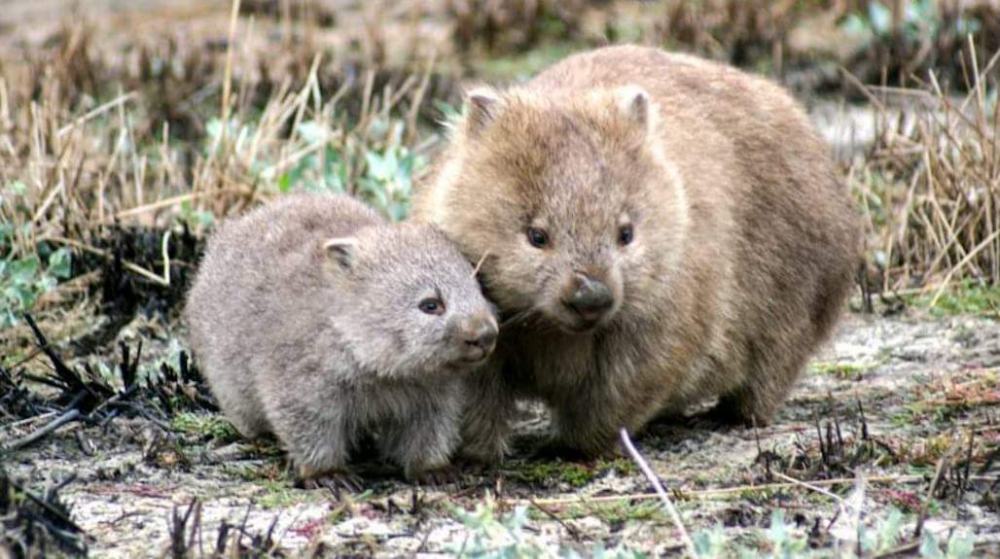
point(574, 474)
point(205, 426)
point(843, 371)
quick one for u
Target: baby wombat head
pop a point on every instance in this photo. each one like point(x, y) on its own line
point(578, 211)
point(409, 301)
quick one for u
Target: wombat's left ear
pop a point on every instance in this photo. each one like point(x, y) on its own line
point(634, 103)
point(341, 250)
point(484, 106)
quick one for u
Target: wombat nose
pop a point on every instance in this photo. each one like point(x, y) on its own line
point(591, 299)
point(481, 334)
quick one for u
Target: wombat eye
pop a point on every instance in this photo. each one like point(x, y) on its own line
point(538, 237)
point(431, 305)
point(625, 235)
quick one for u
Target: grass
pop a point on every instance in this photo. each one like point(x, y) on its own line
point(569, 473)
point(966, 298)
point(843, 371)
point(931, 213)
point(204, 426)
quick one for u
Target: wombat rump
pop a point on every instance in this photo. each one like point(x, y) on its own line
point(315, 320)
point(657, 230)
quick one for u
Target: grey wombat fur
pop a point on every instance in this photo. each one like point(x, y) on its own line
point(309, 319)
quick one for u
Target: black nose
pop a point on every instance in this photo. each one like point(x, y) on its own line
point(480, 334)
point(591, 299)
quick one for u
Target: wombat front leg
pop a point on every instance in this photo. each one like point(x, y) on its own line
point(587, 422)
point(423, 439)
point(758, 399)
point(489, 410)
point(318, 444)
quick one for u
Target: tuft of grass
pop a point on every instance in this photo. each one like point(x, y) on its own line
point(278, 494)
point(204, 426)
point(490, 534)
point(967, 298)
point(843, 371)
point(574, 474)
point(932, 217)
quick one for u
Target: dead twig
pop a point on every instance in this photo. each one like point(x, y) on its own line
point(38, 434)
point(660, 492)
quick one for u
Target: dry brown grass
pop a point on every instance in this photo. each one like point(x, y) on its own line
point(156, 141)
point(930, 187)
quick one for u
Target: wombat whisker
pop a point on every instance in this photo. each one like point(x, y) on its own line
point(475, 270)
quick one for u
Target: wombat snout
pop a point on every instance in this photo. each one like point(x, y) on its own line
point(590, 298)
point(477, 336)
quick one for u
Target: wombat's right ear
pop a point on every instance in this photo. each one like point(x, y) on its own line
point(484, 106)
point(341, 250)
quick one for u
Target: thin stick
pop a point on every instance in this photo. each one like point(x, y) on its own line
point(164, 281)
point(571, 530)
point(810, 486)
point(165, 254)
point(227, 81)
point(121, 99)
point(968, 257)
point(925, 507)
point(63, 419)
point(726, 491)
point(475, 271)
point(648, 472)
point(166, 202)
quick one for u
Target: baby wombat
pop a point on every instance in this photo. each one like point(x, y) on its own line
point(657, 230)
point(314, 319)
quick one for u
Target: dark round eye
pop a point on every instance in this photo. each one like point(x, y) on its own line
point(432, 305)
point(538, 237)
point(625, 235)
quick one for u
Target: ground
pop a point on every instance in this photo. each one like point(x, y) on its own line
point(922, 385)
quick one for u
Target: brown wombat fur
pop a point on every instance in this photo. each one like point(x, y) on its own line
point(309, 318)
point(695, 241)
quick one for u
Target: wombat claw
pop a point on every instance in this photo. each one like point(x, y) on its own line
point(335, 482)
point(444, 475)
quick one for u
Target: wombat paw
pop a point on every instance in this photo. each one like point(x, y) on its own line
point(442, 475)
point(335, 482)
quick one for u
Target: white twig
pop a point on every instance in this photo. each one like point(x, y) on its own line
point(655, 481)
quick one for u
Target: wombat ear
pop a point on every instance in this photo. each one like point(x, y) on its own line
point(484, 106)
point(634, 103)
point(341, 250)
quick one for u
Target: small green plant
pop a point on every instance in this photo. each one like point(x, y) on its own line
point(387, 178)
point(844, 371)
point(23, 279)
point(205, 426)
point(279, 494)
point(489, 535)
point(780, 541)
point(573, 474)
point(959, 546)
point(966, 298)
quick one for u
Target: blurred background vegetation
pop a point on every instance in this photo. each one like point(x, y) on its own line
point(125, 132)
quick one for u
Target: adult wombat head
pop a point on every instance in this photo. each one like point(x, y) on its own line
point(578, 212)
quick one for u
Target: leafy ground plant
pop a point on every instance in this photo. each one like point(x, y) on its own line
point(23, 279)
